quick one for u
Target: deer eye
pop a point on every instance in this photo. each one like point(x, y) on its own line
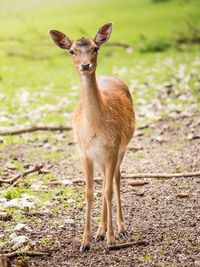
point(96, 49)
point(71, 52)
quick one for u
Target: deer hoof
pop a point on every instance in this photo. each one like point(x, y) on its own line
point(84, 248)
point(123, 235)
point(99, 238)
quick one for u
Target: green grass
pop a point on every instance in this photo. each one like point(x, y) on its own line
point(38, 84)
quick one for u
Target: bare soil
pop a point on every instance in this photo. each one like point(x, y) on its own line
point(152, 212)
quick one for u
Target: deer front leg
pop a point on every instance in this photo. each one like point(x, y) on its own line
point(110, 170)
point(103, 225)
point(120, 221)
point(89, 173)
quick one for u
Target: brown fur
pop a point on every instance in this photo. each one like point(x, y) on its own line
point(83, 42)
point(104, 122)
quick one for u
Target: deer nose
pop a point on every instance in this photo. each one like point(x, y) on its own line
point(85, 66)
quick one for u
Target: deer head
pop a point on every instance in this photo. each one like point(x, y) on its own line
point(84, 51)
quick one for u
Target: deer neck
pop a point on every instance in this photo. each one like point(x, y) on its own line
point(90, 97)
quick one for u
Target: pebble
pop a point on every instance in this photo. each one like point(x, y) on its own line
point(197, 263)
point(18, 203)
point(69, 221)
point(18, 241)
point(45, 210)
point(21, 226)
point(26, 201)
point(70, 201)
point(36, 187)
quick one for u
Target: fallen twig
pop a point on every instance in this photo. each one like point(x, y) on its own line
point(13, 181)
point(35, 128)
point(130, 244)
point(148, 175)
point(118, 44)
point(76, 181)
point(182, 195)
point(60, 182)
point(137, 183)
point(27, 253)
point(161, 175)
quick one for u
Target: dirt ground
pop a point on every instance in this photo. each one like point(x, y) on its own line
point(170, 225)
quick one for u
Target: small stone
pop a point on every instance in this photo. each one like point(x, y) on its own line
point(45, 210)
point(36, 187)
point(70, 221)
point(70, 201)
point(21, 226)
point(5, 216)
point(193, 223)
point(197, 263)
point(158, 139)
point(19, 241)
point(20, 203)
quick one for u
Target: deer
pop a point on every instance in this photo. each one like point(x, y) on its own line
point(103, 123)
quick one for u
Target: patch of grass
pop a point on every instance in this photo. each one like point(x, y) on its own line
point(183, 186)
point(179, 169)
point(55, 209)
point(131, 171)
point(52, 155)
point(37, 79)
point(155, 44)
point(136, 237)
point(147, 131)
point(32, 154)
point(147, 257)
point(98, 220)
point(162, 253)
point(166, 238)
point(45, 241)
point(176, 125)
point(17, 164)
point(159, 180)
point(138, 155)
point(13, 192)
point(47, 177)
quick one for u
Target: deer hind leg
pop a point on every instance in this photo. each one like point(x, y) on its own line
point(120, 221)
point(110, 171)
point(89, 173)
point(103, 225)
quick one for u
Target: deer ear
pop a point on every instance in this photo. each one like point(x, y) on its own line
point(103, 34)
point(60, 39)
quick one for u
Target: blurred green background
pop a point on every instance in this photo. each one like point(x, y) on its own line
point(37, 81)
